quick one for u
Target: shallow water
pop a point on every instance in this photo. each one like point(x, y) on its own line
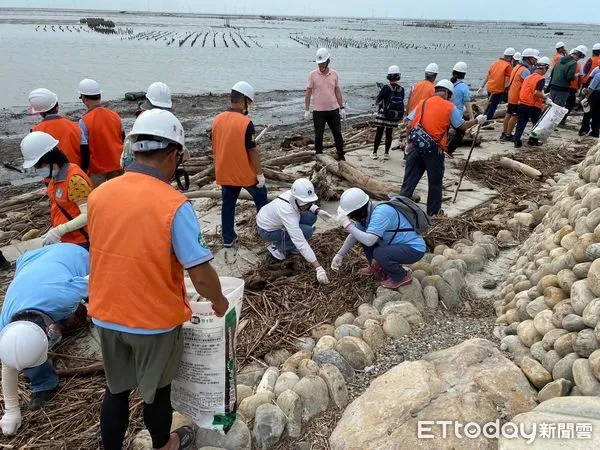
point(58, 60)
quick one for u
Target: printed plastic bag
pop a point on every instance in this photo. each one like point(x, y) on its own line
point(549, 120)
point(205, 388)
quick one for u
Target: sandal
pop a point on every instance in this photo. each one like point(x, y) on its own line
point(186, 437)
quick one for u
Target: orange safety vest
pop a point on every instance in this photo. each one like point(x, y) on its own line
point(61, 207)
point(135, 278)
point(67, 133)
point(497, 74)
point(516, 82)
point(576, 83)
point(555, 59)
point(420, 91)
point(528, 89)
point(233, 166)
point(104, 139)
point(436, 118)
point(595, 63)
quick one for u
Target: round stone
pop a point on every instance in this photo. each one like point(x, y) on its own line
point(356, 352)
point(395, 325)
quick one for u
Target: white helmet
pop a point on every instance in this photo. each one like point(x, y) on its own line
point(596, 47)
point(304, 191)
point(446, 84)
point(394, 70)
point(543, 61)
point(23, 345)
point(89, 87)
point(42, 100)
point(582, 49)
point(159, 95)
point(517, 56)
point(432, 68)
point(529, 53)
point(460, 67)
point(244, 88)
point(323, 55)
point(560, 44)
point(536, 52)
point(156, 122)
point(352, 199)
point(509, 51)
point(35, 145)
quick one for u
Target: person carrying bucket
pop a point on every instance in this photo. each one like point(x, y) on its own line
point(137, 295)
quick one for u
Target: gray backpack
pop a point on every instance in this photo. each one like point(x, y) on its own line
point(414, 214)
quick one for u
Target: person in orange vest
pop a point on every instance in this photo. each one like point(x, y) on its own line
point(68, 188)
point(591, 64)
point(531, 100)
point(143, 235)
point(561, 50)
point(102, 130)
point(427, 140)
point(519, 74)
point(45, 103)
point(423, 89)
point(237, 160)
point(574, 88)
point(497, 80)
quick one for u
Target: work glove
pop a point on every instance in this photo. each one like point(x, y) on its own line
point(306, 115)
point(261, 180)
point(585, 104)
point(322, 276)
point(342, 220)
point(481, 119)
point(10, 422)
point(52, 237)
point(320, 212)
point(343, 114)
point(336, 262)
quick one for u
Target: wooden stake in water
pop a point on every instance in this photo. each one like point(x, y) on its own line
point(467, 163)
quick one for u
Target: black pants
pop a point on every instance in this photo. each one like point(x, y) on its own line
point(456, 140)
point(526, 113)
point(571, 102)
point(388, 138)
point(416, 166)
point(494, 101)
point(332, 119)
point(114, 418)
point(591, 120)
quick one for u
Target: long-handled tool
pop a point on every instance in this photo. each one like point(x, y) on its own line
point(467, 163)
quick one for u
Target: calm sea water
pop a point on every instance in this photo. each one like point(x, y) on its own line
point(58, 60)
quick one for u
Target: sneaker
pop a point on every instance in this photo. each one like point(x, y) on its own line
point(366, 271)
point(502, 137)
point(230, 244)
point(510, 137)
point(38, 399)
point(374, 155)
point(373, 271)
point(275, 252)
point(386, 156)
point(388, 283)
point(518, 144)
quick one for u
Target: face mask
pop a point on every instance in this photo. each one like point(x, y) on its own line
point(43, 172)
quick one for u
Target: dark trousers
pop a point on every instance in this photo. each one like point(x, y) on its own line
point(332, 119)
point(571, 102)
point(42, 378)
point(495, 100)
point(391, 258)
point(591, 120)
point(389, 132)
point(526, 113)
point(559, 96)
point(229, 196)
point(456, 140)
point(416, 166)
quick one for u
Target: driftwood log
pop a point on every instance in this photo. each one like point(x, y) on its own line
point(92, 369)
point(520, 167)
point(375, 188)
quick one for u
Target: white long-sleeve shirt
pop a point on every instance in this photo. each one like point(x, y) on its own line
point(283, 214)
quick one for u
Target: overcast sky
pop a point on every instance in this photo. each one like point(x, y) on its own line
point(550, 10)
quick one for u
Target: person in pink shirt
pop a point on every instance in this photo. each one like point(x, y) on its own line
point(328, 105)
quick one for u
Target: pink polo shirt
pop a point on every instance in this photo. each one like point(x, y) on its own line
point(323, 89)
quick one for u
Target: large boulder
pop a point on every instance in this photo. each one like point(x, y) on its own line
point(484, 386)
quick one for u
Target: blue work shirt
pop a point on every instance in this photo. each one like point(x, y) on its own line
point(461, 95)
point(595, 83)
point(51, 280)
point(384, 219)
point(188, 245)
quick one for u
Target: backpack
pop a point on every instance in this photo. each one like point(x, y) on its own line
point(394, 107)
point(414, 214)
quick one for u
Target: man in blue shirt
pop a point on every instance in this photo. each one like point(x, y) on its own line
point(387, 237)
point(462, 100)
point(592, 100)
point(47, 289)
